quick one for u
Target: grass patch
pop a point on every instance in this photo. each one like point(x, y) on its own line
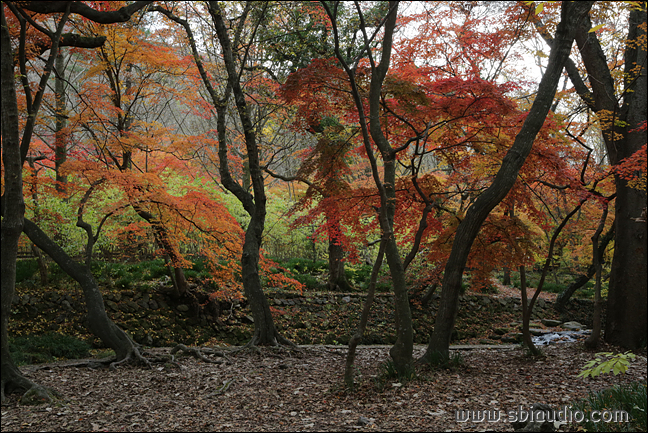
point(629, 398)
point(36, 349)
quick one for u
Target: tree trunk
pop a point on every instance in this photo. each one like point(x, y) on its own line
point(507, 276)
point(624, 133)
point(265, 332)
point(180, 284)
point(572, 14)
point(42, 265)
point(337, 278)
point(60, 141)
point(99, 322)
point(561, 300)
point(526, 315)
point(13, 211)
point(362, 326)
point(593, 340)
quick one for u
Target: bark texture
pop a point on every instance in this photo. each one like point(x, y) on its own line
point(624, 132)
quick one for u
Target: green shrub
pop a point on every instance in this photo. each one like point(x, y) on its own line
point(309, 281)
point(49, 347)
point(630, 398)
point(305, 266)
point(25, 269)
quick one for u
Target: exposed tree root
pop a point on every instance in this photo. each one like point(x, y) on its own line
point(199, 353)
point(35, 394)
point(278, 343)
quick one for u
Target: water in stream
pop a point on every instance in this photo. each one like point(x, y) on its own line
point(561, 337)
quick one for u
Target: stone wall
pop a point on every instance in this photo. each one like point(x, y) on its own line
point(153, 318)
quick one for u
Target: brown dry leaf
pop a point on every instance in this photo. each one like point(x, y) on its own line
point(289, 391)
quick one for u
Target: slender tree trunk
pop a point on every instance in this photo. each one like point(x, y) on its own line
point(572, 13)
point(60, 141)
point(42, 266)
point(561, 300)
point(593, 340)
point(526, 315)
point(362, 326)
point(162, 238)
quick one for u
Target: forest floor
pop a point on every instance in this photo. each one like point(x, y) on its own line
point(281, 390)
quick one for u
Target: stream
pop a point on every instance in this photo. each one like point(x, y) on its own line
point(561, 337)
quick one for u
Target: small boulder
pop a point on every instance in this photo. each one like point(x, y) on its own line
point(572, 326)
point(551, 322)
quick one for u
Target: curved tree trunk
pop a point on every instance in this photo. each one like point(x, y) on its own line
point(571, 15)
point(99, 322)
point(563, 297)
point(265, 332)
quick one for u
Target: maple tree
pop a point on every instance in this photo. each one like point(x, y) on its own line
point(15, 150)
point(254, 203)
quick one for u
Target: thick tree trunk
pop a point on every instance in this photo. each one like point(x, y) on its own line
point(99, 322)
point(13, 211)
point(572, 14)
point(624, 133)
point(626, 303)
point(265, 332)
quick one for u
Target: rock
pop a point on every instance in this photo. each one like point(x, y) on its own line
point(551, 322)
point(346, 299)
point(572, 326)
point(364, 421)
point(512, 338)
point(536, 426)
point(183, 307)
point(248, 319)
point(501, 331)
point(538, 331)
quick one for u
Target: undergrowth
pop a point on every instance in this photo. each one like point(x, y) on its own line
point(630, 398)
point(50, 347)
